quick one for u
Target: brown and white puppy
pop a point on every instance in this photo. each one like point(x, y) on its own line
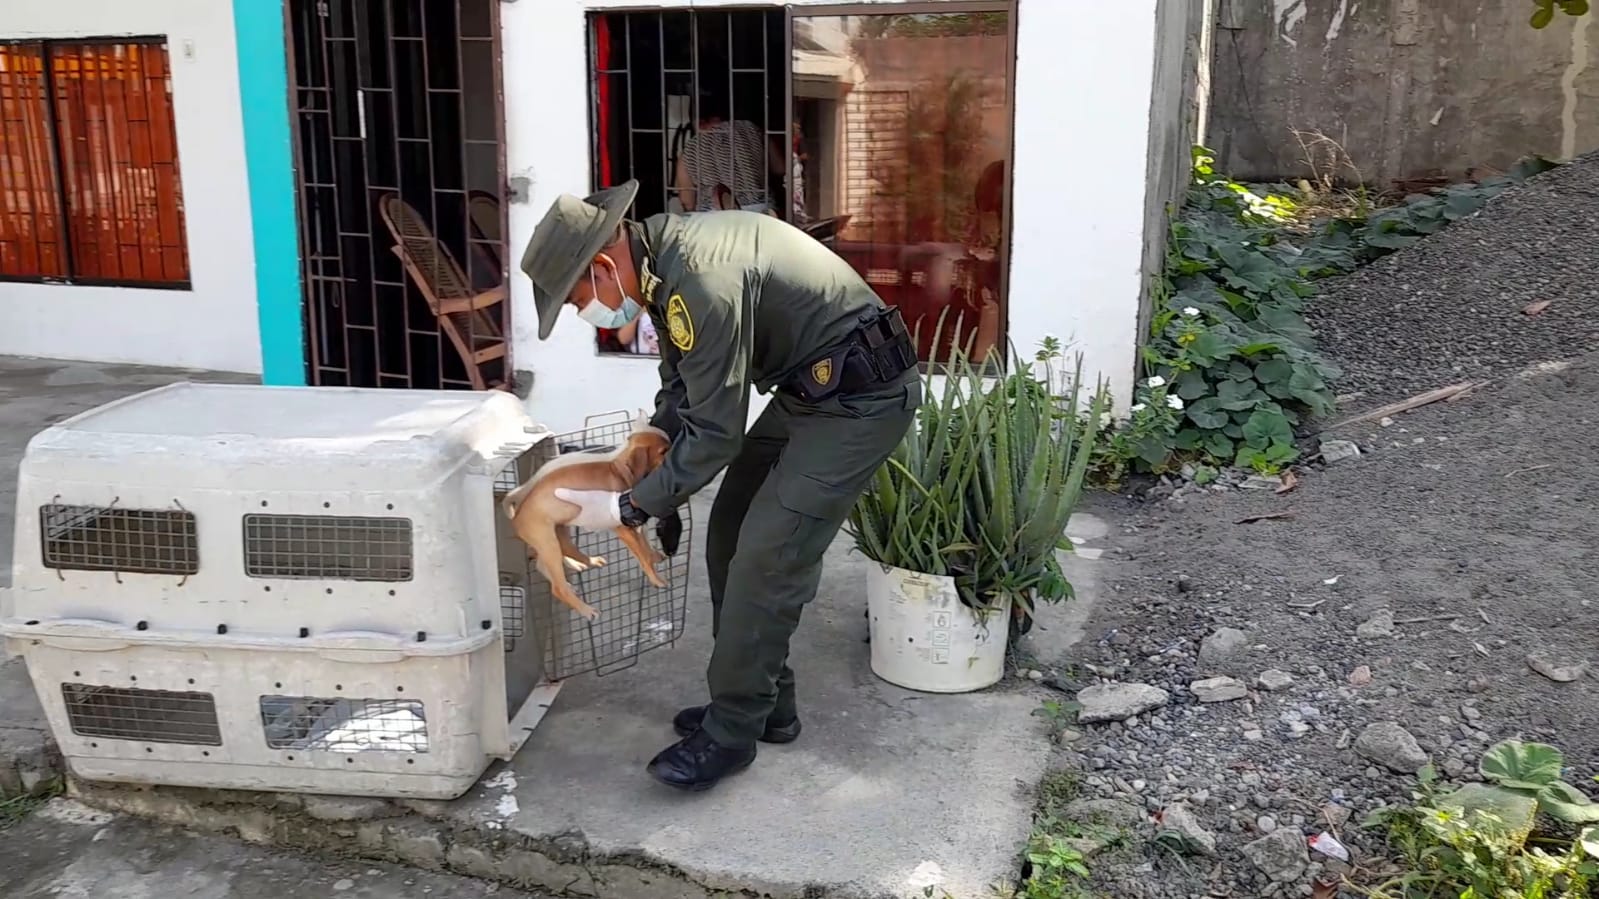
point(542, 520)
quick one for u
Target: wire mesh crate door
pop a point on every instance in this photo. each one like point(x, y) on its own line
point(635, 615)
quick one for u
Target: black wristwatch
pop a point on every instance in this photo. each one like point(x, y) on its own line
point(632, 515)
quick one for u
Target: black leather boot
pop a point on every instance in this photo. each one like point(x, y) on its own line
point(698, 762)
point(689, 720)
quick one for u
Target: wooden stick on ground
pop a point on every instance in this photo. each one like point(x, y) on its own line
point(1415, 402)
point(1428, 618)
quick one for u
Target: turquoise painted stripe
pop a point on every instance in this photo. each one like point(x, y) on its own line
point(264, 94)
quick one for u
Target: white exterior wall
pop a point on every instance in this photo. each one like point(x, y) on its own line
point(1084, 78)
point(214, 324)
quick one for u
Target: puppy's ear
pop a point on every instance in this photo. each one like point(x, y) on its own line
point(637, 460)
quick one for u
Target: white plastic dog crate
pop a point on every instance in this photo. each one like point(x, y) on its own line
point(306, 589)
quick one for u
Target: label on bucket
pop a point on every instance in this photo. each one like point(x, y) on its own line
point(915, 587)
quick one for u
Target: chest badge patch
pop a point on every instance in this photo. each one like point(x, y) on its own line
point(678, 325)
point(822, 372)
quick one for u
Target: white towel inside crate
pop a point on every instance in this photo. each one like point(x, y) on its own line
point(345, 725)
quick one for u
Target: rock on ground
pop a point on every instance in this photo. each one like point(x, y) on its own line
point(1390, 745)
point(1273, 680)
point(1218, 689)
point(1109, 812)
point(1560, 673)
point(1378, 625)
point(1339, 450)
point(1118, 702)
point(1222, 645)
point(1180, 820)
point(1280, 855)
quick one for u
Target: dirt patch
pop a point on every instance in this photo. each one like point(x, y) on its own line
point(1467, 523)
point(1404, 590)
point(1453, 307)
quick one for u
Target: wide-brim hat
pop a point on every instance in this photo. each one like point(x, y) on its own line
point(565, 242)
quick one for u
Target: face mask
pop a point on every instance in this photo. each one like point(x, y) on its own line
point(600, 315)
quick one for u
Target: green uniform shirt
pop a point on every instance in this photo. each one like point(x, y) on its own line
point(739, 299)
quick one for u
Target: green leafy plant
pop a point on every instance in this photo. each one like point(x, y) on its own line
point(1033, 454)
point(983, 484)
point(1232, 359)
point(1481, 841)
point(1059, 715)
point(1533, 770)
point(1056, 869)
point(1543, 11)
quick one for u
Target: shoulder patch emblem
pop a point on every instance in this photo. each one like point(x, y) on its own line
point(678, 325)
point(822, 372)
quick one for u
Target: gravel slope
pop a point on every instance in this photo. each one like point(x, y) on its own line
point(1467, 523)
point(1451, 308)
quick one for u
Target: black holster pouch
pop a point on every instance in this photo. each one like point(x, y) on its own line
point(876, 353)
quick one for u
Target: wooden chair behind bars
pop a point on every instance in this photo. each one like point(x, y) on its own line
point(484, 210)
point(463, 313)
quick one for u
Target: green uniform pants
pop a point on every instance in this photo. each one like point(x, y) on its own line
point(782, 501)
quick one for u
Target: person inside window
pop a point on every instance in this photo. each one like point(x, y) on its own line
point(639, 337)
point(726, 164)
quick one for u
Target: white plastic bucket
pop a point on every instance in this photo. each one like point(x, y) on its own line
point(924, 638)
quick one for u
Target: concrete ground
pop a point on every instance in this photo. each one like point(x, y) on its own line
point(885, 787)
point(68, 849)
point(886, 792)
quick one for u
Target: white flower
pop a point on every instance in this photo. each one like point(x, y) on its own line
point(1190, 311)
point(1174, 401)
point(1154, 382)
point(1137, 407)
point(1104, 419)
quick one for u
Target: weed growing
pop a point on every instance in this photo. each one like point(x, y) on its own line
point(1515, 837)
point(14, 808)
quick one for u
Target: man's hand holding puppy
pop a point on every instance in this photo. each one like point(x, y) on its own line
point(605, 509)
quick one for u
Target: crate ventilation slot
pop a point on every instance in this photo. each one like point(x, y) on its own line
point(130, 541)
point(513, 614)
point(146, 716)
point(328, 724)
point(328, 547)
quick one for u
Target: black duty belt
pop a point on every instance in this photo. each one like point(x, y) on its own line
point(876, 353)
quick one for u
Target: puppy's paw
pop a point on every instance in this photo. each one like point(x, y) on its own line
point(596, 561)
point(575, 565)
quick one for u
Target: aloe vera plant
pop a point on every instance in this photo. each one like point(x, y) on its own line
point(1033, 453)
point(982, 486)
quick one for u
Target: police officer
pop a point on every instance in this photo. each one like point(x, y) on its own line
point(743, 299)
